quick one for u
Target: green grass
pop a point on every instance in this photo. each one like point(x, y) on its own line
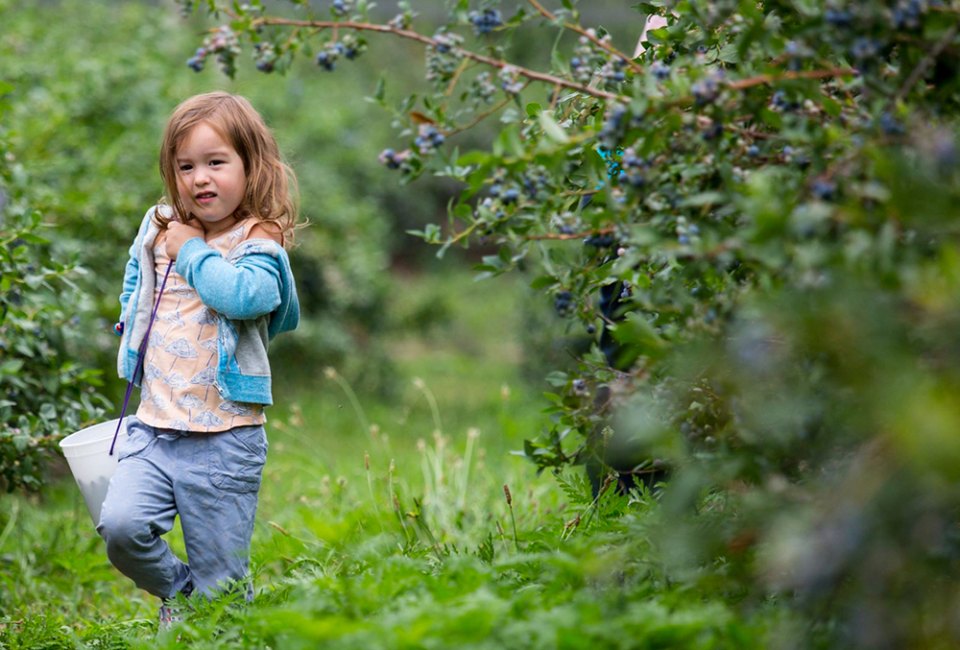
point(385, 524)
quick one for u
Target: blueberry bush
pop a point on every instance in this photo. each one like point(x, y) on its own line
point(750, 215)
point(44, 392)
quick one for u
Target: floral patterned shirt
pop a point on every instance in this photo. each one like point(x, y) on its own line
point(177, 390)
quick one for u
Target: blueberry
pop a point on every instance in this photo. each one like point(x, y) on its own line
point(838, 18)
point(890, 125)
point(486, 21)
point(324, 60)
point(660, 70)
point(823, 189)
point(714, 131)
point(864, 48)
point(753, 151)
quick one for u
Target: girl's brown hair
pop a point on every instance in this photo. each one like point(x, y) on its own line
point(270, 194)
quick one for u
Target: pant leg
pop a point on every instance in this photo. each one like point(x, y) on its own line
point(217, 501)
point(138, 509)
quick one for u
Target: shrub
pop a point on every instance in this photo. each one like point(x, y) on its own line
point(753, 217)
point(43, 393)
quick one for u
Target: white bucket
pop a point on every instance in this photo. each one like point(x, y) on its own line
point(88, 454)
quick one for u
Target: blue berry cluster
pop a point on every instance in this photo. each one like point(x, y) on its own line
point(601, 240)
point(612, 72)
point(400, 21)
point(566, 223)
point(586, 59)
point(864, 49)
point(393, 159)
point(443, 57)
point(631, 169)
point(890, 125)
point(780, 102)
point(348, 48)
point(485, 21)
point(428, 139)
point(838, 18)
point(795, 53)
point(196, 62)
point(616, 122)
point(580, 388)
point(660, 70)
point(824, 189)
point(907, 14)
point(340, 7)
point(510, 81)
point(265, 57)
point(224, 44)
point(686, 231)
point(707, 89)
point(536, 183)
point(563, 303)
point(482, 89)
point(508, 196)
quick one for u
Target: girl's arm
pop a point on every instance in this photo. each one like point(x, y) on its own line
point(247, 290)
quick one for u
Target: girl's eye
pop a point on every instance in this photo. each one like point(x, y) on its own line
point(186, 168)
point(216, 162)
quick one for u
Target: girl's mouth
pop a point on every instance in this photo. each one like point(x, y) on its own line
point(205, 197)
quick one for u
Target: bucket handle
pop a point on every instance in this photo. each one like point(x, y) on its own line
point(140, 354)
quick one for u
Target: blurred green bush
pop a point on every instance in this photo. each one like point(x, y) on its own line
point(44, 392)
point(90, 94)
point(754, 222)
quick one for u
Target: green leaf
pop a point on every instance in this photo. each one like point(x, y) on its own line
point(553, 130)
point(509, 143)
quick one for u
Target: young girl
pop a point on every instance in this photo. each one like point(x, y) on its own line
point(197, 445)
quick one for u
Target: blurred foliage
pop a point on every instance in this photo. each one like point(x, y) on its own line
point(44, 393)
point(90, 95)
point(754, 221)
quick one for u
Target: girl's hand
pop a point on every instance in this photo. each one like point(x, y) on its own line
point(177, 235)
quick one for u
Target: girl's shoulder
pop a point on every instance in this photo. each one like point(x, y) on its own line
point(264, 230)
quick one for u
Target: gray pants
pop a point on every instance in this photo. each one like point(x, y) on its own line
point(210, 479)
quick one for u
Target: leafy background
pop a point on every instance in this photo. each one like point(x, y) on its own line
point(756, 287)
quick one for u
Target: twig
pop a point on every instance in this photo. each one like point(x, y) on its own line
point(456, 77)
point(759, 80)
point(426, 40)
point(565, 236)
point(590, 36)
point(479, 118)
point(924, 63)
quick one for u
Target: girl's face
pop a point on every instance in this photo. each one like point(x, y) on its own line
point(211, 179)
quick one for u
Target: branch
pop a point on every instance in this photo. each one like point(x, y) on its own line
point(589, 35)
point(426, 40)
point(567, 236)
point(479, 117)
point(924, 63)
point(759, 80)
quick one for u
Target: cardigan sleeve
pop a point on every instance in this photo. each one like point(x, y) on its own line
point(244, 290)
